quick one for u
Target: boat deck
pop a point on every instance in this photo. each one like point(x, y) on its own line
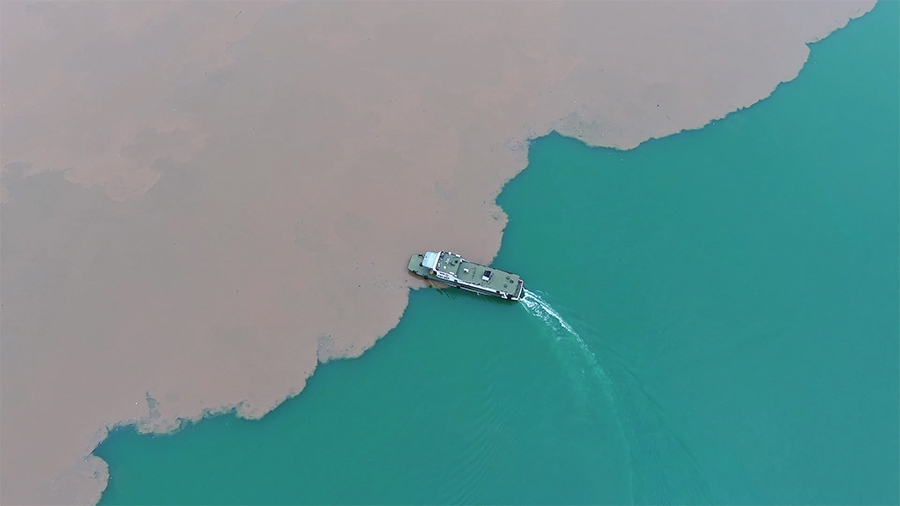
point(470, 275)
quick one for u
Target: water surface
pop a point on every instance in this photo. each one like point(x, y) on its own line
point(712, 318)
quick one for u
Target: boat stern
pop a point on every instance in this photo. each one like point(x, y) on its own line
point(520, 291)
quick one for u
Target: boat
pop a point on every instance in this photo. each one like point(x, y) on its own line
point(453, 270)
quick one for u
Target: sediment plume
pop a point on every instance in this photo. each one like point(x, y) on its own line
point(204, 200)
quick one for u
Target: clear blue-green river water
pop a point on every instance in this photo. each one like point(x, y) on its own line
point(713, 317)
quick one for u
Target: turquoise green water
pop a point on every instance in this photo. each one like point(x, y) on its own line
point(719, 324)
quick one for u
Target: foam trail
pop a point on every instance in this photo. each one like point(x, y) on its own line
point(536, 304)
point(562, 329)
point(663, 470)
point(539, 307)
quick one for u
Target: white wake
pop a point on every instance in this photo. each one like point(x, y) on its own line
point(538, 306)
point(661, 465)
